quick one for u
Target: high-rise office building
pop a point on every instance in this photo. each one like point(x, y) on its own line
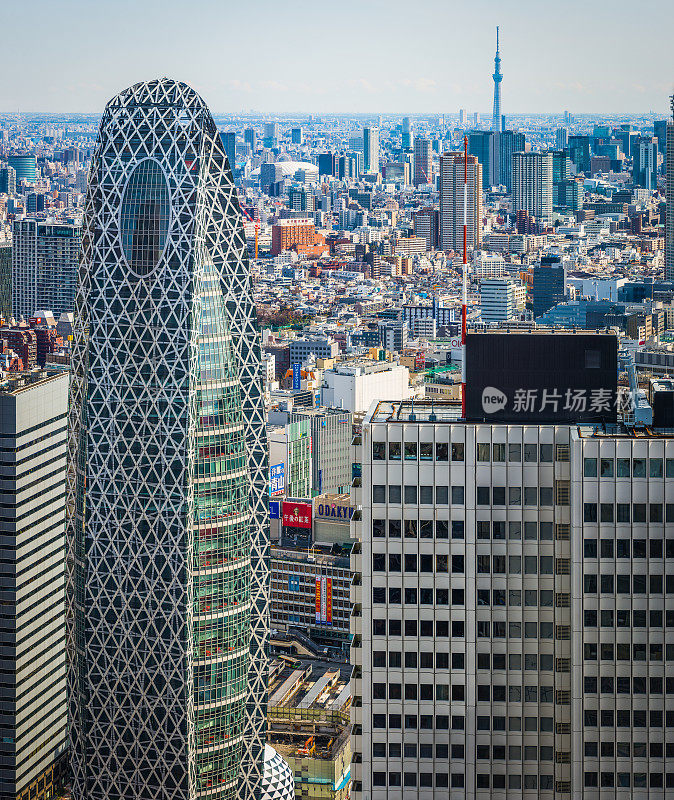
point(297, 135)
point(669, 230)
point(452, 202)
point(168, 530)
point(423, 161)
point(484, 146)
point(426, 222)
point(579, 151)
point(532, 185)
point(349, 165)
point(331, 437)
point(326, 163)
point(7, 180)
point(271, 130)
point(45, 259)
point(406, 134)
point(568, 195)
point(509, 142)
point(561, 138)
point(34, 737)
point(35, 202)
point(548, 284)
point(250, 138)
point(463, 116)
point(371, 149)
point(6, 280)
point(561, 166)
point(645, 162)
point(229, 143)
point(497, 118)
point(24, 166)
point(512, 594)
point(497, 299)
point(660, 131)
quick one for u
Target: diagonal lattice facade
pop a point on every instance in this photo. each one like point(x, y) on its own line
point(167, 506)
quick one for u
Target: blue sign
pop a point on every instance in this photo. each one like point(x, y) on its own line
point(294, 583)
point(274, 509)
point(297, 376)
point(276, 480)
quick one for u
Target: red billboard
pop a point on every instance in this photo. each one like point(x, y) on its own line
point(296, 515)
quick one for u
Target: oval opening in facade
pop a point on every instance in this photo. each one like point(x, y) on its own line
point(145, 216)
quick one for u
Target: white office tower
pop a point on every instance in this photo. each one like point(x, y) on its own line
point(514, 590)
point(371, 149)
point(532, 185)
point(423, 161)
point(497, 299)
point(452, 170)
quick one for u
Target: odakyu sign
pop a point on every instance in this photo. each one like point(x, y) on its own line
point(334, 511)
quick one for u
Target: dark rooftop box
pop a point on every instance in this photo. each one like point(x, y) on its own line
point(539, 378)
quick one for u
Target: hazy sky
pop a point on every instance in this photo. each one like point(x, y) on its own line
point(400, 56)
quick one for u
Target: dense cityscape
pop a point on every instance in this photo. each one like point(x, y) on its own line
point(337, 452)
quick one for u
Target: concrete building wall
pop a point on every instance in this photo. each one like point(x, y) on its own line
point(33, 430)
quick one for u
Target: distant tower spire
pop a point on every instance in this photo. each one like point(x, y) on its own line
point(496, 122)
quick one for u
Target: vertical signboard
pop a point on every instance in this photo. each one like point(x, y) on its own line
point(324, 598)
point(297, 377)
point(318, 601)
point(276, 479)
point(328, 601)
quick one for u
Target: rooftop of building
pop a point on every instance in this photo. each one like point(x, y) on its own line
point(15, 382)
point(621, 431)
point(334, 555)
point(416, 411)
point(309, 703)
point(540, 331)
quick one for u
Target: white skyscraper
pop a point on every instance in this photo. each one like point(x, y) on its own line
point(497, 299)
point(512, 608)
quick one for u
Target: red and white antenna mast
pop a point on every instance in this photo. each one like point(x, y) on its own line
point(464, 296)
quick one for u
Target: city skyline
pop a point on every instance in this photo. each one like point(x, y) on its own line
point(422, 76)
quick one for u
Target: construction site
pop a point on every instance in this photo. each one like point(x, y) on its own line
point(309, 702)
